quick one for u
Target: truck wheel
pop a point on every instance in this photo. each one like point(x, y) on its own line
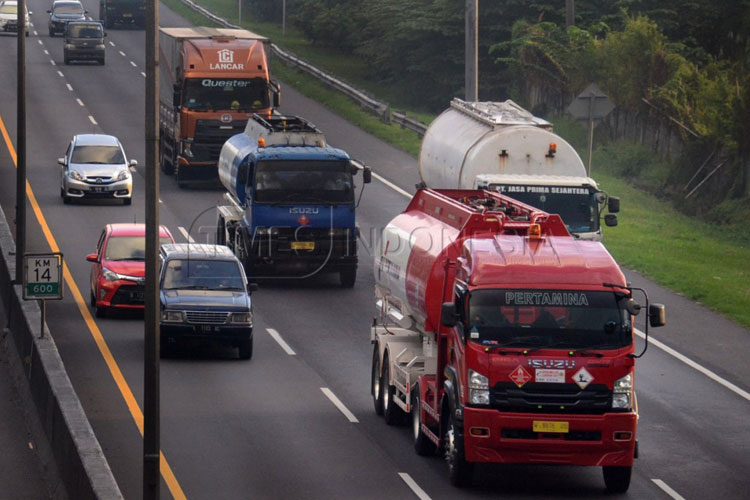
point(459, 470)
point(246, 348)
point(617, 479)
point(376, 389)
point(348, 277)
point(422, 444)
point(167, 166)
point(391, 412)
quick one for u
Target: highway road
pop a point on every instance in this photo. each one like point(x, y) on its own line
point(297, 420)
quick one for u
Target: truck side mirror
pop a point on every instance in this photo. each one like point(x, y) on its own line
point(276, 90)
point(610, 220)
point(448, 314)
point(657, 315)
point(632, 307)
point(613, 204)
point(367, 175)
point(176, 94)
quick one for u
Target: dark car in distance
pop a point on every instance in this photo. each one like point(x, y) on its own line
point(204, 297)
point(123, 12)
point(84, 41)
point(63, 11)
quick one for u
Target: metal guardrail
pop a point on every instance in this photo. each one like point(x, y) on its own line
point(367, 102)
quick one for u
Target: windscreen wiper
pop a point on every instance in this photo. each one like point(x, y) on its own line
point(589, 350)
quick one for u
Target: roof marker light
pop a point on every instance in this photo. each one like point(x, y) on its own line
point(552, 150)
point(535, 231)
point(261, 142)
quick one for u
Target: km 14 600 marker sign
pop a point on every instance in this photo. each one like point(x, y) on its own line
point(43, 277)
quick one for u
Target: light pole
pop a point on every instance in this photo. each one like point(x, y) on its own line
point(471, 58)
point(21, 142)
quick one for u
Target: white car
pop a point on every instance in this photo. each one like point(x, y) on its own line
point(9, 17)
point(94, 166)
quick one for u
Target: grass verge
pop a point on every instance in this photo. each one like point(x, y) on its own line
point(698, 260)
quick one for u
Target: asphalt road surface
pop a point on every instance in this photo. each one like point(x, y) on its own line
point(269, 428)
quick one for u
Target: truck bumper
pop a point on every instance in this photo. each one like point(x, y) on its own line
point(278, 257)
point(605, 440)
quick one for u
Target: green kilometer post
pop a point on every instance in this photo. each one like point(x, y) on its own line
point(43, 290)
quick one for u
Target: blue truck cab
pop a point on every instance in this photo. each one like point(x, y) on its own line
point(291, 201)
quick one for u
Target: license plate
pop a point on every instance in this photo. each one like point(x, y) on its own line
point(205, 328)
point(547, 426)
point(127, 15)
point(303, 245)
point(99, 189)
point(137, 295)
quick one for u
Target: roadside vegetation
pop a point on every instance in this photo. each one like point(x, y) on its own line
point(703, 258)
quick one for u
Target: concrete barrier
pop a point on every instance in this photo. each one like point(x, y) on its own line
point(70, 453)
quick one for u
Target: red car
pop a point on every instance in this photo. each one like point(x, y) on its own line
point(118, 271)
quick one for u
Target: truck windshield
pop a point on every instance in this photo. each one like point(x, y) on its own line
point(68, 8)
point(202, 274)
point(565, 319)
point(214, 94)
point(576, 205)
point(307, 181)
point(9, 9)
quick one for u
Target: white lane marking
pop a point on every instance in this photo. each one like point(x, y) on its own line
point(414, 486)
point(160, 201)
point(133, 64)
point(60, 73)
point(337, 402)
point(669, 491)
point(52, 62)
point(273, 333)
point(392, 185)
point(40, 42)
point(112, 43)
point(705, 371)
point(80, 102)
point(69, 87)
point(186, 234)
point(46, 52)
point(143, 74)
point(122, 53)
point(91, 119)
point(35, 33)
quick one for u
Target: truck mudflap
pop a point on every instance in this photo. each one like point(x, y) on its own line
point(603, 440)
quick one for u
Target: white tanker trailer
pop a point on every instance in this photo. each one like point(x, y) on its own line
point(501, 147)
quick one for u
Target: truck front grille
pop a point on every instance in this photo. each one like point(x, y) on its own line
point(535, 397)
point(210, 136)
point(207, 317)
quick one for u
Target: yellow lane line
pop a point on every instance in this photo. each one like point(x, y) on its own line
point(114, 369)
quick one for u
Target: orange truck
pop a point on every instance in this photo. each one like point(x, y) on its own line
point(212, 80)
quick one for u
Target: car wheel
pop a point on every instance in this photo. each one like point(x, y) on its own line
point(92, 299)
point(422, 444)
point(101, 312)
point(165, 349)
point(51, 32)
point(246, 348)
point(375, 388)
point(459, 470)
point(127, 201)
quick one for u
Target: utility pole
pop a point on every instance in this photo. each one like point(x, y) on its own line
point(21, 142)
point(472, 41)
point(151, 445)
point(570, 13)
point(283, 17)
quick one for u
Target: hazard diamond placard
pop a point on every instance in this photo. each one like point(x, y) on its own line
point(520, 376)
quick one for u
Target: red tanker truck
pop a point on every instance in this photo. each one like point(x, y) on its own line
point(503, 338)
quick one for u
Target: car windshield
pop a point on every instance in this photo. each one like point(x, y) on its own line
point(213, 94)
point(84, 30)
point(9, 9)
point(576, 205)
point(68, 8)
point(566, 319)
point(310, 181)
point(97, 154)
point(129, 247)
point(202, 274)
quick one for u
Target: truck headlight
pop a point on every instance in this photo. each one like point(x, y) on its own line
point(245, 318)
point(622, 393)
point(123, 175)
point(100, 46)
point(69, 46)
point(168, 316)
point(75, 175)
point(479, 388)
point(186, 148)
